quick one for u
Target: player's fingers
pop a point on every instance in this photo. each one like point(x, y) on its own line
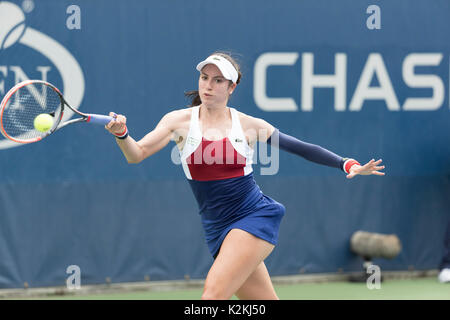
point(117, 124)
point(121, 119)
point(375, 165)
point(367, 165)
point(113, 115)
point(111, 123)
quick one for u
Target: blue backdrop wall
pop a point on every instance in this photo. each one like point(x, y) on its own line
point(73, 200)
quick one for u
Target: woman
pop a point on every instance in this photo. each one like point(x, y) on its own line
point(215, 142)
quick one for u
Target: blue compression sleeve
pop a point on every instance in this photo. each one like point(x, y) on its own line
point(308, 151)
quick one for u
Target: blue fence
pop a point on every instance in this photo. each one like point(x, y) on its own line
point(314, 69)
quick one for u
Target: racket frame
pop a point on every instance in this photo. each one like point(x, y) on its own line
point(84, 117)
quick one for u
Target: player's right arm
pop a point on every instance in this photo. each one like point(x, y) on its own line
point(136, 151)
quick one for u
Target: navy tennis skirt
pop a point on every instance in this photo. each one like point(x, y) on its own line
point(236, 203)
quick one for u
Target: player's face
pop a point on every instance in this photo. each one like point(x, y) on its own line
point(213, 88)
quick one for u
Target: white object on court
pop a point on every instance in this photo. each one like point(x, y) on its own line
point(444, 275)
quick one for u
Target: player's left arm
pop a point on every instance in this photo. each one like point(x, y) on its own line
point(265, 132)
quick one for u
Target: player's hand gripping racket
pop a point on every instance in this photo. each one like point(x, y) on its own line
point(29, 99)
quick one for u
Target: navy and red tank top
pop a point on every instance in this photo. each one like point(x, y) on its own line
point(220, 174)
point(205, 160)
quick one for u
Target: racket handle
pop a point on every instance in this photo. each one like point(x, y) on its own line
point(99, 119)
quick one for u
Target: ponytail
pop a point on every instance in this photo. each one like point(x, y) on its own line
point(194, 96)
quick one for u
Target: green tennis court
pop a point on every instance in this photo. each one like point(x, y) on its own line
point(427, 288)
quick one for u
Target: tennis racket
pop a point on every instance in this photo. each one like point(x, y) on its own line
point(28, 99)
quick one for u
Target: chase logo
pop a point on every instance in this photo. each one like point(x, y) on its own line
point(27, 53)
point(403, 78)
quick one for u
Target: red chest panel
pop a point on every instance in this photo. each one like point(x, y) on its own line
point(215, 160)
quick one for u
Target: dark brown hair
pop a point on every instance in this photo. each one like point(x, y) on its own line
point(194, 96)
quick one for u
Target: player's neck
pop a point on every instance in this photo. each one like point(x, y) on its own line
point(213, 113)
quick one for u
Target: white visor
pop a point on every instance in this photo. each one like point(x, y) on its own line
point(225, 66)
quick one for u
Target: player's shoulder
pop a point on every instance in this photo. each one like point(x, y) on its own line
point(179, 114)
point(249, 122)
point(243, 117)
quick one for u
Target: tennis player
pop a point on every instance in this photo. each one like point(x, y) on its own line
point(216, 147)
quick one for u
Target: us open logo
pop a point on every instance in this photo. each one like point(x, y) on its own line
point(27, 53)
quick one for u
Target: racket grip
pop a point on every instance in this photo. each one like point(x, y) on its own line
point(99, 119)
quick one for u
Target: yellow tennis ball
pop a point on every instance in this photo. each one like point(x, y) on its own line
point(43, 122)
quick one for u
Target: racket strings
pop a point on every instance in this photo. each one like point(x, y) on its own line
point(25, 105)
